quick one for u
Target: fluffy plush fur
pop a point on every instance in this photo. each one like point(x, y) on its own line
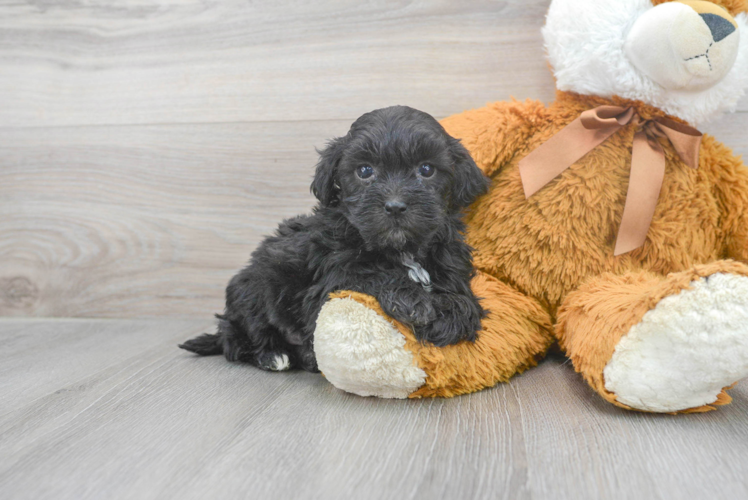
point(389, 224)
point(363, 352)
point(356, 353)
point(667, 361)
point(559, 243)
point(550, 258)
point(592, 60)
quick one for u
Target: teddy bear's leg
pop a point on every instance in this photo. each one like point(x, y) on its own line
point(660, 343)
point(361, 350)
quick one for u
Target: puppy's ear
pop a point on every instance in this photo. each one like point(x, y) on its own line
point(469, 181)
point(324, 185)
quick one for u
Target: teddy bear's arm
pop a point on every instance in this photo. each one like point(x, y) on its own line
point(731, 186)
point(493, 133)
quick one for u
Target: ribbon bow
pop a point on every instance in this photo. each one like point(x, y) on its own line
point(647, 161)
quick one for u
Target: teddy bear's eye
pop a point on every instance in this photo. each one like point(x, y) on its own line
point(364, 171)
point(426, 170)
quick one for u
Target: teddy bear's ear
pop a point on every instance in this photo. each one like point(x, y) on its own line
point(324, 185)
point(734, 7)
point(469, 181)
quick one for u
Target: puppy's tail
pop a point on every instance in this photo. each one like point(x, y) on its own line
point(205, 345)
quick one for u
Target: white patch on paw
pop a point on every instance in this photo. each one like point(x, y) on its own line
point(686, 349)
point(281, 363)
point(361, 352)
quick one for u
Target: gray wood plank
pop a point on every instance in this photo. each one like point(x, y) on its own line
point(139, 221)
point(730, 128)
point(98, 62)
point(144, 221)
point(103, 218)
point(73, 63)
point(164, 424)
point(39, 357)
point(583, 444)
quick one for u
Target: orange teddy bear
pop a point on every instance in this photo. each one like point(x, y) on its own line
point(612, 226)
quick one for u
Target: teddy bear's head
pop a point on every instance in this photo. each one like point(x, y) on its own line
point(686, 57)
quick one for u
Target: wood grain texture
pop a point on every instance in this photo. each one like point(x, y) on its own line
point(103, 62)
point(144, 221)
point(146, 147)
point(127, 415)
point(139, 221)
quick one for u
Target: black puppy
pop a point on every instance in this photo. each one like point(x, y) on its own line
point(388, 224)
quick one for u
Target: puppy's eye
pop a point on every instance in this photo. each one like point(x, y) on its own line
point(364, 171)
point(426, 170)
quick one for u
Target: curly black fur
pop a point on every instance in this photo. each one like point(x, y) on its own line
point(351, 242)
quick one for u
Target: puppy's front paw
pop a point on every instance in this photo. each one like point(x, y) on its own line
point(413, 308)
point(437, 333)
point(422, 313)
point(448, 328)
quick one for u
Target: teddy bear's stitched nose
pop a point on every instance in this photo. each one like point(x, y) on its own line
point(719, 26)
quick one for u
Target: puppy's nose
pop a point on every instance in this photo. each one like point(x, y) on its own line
point(719, 26)
point(395, 207)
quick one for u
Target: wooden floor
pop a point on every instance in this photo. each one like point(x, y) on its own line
point(112, 409)
point(146, 147)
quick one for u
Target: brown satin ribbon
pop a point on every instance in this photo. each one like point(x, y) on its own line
point(592, 128)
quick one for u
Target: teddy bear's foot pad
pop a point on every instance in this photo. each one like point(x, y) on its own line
point(686, 350)
point(361, 352)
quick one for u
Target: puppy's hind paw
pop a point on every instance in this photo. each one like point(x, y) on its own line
point(281, 363)
point(274, 362)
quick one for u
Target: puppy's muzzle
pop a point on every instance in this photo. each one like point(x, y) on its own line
point(395, 208)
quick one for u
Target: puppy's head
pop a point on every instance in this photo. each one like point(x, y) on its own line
point(398, 177)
